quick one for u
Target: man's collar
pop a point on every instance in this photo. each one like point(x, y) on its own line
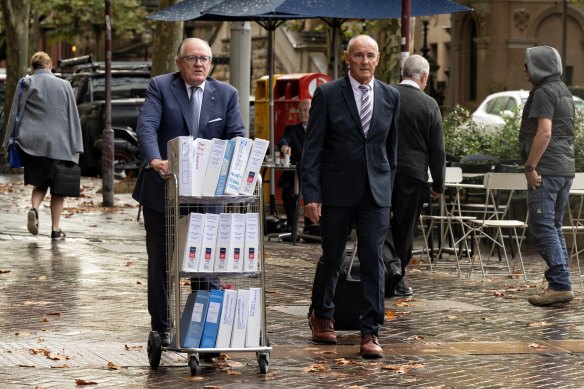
point(202, 86)
point(355, 84)
point(410, 82)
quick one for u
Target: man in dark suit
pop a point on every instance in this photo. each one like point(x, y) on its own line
point(421, 146)
point(348, 168)
point(292, 144)
point(177, 104)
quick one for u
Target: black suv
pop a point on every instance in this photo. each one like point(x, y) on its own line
point(129, 82)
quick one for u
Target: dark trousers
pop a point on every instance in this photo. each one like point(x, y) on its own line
point(155, 226)
point(407, 200)
point(336, 223)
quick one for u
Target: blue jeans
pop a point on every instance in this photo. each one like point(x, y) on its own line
point(547, 206)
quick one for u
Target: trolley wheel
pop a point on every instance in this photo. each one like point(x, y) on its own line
point(154, 349)
point(264, 362)
point(194, 363)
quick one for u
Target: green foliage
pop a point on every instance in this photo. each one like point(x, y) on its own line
point(67, 19)
point(464, 137)
point(579, 140)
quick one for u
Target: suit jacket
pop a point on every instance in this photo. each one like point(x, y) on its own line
point(294, 138)
point(338, 161)
point(166, 114)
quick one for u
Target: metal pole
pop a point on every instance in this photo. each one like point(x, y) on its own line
point(271, 32)
point(107, 150)
point(240, 66)
point(564, 37)
point(334, 51)
point(405, 35)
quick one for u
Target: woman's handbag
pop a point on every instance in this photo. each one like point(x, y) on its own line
point(65, 179)
point(14, 152)
point(15, 155)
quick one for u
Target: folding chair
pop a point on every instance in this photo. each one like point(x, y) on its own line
point(450, 216)
point(500, 188)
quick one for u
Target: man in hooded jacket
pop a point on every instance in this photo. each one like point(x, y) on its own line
point(546, 140)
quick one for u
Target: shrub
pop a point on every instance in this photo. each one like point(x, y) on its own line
point(464, 137)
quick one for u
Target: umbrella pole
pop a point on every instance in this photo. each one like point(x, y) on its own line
point(271, 117)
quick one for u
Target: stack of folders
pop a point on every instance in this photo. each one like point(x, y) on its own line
point(216, 167)
point(225, 242)
point(222, 319)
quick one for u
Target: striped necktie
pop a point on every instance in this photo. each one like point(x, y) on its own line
point(196, 111)
point(365, 109)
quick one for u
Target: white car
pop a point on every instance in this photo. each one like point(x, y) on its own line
point(496, 106)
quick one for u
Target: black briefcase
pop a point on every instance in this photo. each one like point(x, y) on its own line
point(348, 296)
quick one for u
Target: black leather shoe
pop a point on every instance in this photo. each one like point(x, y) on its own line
point(164, 339)
point(392, 279)
point(403, 290)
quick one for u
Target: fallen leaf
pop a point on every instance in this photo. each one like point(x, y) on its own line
point(37, 351)
point(194, 378)
point(390, 315)
point(2, 271)
point(45, 319)
point(233, 372)
point(535, 345)
point(539, 324)
point(415, 337)
point(21, 333)
point(316, 368)
point(129, 263)
point(53, 314)
point(23, 365)
point(58, 357)
point(342, 361)
point(211, 387)
point(139, 282)
point(60, 366)
point(498, 294)
point(79, 381)
point(113, 366)
point(140, 347)
point(403, 369)
point(41, 278)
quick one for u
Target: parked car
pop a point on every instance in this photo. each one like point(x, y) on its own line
point(129, 82)
point(491, 112)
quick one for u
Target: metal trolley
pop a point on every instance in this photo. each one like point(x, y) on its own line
point(178, 289)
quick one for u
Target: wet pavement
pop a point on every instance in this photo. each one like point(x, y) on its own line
point(74, 313)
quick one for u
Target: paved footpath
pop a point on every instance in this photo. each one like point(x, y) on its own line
point(74, 313)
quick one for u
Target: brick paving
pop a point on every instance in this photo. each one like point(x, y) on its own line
point(76, 310)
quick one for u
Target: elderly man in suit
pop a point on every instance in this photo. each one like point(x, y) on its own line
point(177, 104)
point(348, 168)
point(421, 147)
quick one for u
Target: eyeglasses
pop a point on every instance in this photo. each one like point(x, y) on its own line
point(205, 59)
point(362, 56)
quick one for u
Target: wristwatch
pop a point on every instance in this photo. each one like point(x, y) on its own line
point(529, 168)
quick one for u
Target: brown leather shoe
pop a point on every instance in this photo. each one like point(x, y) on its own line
point(370, 347)
point(323, 330)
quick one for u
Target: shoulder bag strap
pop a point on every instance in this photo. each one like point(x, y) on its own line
point(17, 121)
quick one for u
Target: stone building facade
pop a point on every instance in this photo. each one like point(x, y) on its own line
point(483, 52)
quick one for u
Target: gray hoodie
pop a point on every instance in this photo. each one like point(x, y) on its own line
point(551, 99)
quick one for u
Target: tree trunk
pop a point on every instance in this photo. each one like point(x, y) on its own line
point(167, 37)
point(15, 14)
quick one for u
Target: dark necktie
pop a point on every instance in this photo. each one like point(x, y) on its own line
point(365, 109)
point(196, 111)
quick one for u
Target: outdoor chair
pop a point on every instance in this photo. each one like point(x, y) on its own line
point(495, 226)
point(575, 226)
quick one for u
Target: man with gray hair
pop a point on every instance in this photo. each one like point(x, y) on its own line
point(421, 145)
